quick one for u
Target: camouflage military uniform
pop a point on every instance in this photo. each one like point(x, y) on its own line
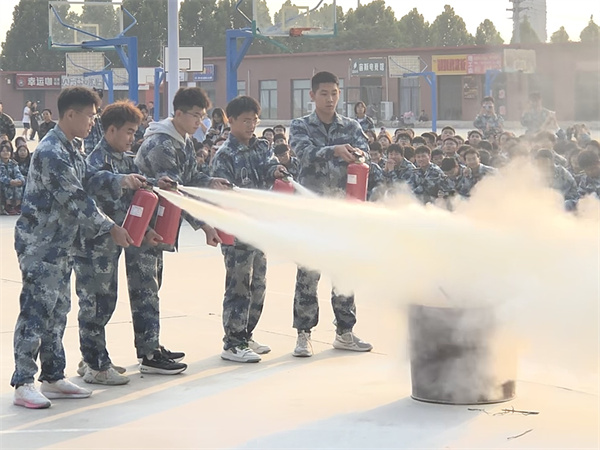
point(95, 136)
point(469, 179)
point(563, 181)
point(533, 120)
point(250, 167)
point(55, 210)
point(96, 268)
point(589, 186)
point(10, 171)
point(401, 173)
point(164, 152)
point(325, 174)
point(376, 183)
point(7, 126)
point(293, 167)
point(426, 184)
point(489, 125)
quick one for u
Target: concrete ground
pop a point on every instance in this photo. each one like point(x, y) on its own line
point(335, 399)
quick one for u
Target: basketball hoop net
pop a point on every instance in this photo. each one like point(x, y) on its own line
point(297, 32)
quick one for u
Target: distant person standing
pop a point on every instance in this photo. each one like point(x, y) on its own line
point(7, 125)
point(35, 124)
point(360, 112)
point(487, 121)
point(536, 118)
point(47, 123)
point(26, 120)
point(325, 144)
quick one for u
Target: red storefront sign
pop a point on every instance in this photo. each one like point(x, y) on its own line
point(38, 80)
point(479, 64)
point(474, 64)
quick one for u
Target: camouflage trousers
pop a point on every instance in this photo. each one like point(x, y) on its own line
point(306, 304)
point(13, 194)
point(45, 302)
point(245, 286)
point(97, 289)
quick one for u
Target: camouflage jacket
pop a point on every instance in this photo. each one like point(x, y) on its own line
point(469, 178)
point(313, 144)
point(400, 173)
point(589, 185)
point(95, 136)
point(489, 125)
point(533, 120)
point(427, 183)
point(56, 203)
point(376, 183)
point(10, 171)
point(7, 126)
point(564, 182)
point(247, 166)
point(293, 167)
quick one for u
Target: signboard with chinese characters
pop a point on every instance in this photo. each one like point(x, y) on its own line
point(208, 74)
point(450, 64)
point(95, 81)
point(474, 64)
point(480, 63)
point(372, 67)
point(39, 80)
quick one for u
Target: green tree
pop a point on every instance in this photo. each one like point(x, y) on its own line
point(527, 33)
point(449, 30)
point(487, 34)
point(591, 33)
point(26, 45)
point(560, 35)
point(414, 30)
point(151, 29)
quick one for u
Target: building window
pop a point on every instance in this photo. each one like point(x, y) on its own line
point(241, 88)
point(300, 97)
point(268, 99)
point(341, 106)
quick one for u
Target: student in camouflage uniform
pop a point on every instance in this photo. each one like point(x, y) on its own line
point(12, 180)
point(7, 126)
point(536, 118)
point(487, 121)
point(558, 178)
point(168, 151)
point(291, 163)
point(427, 180)
point(397, 168)
point(97, 263)
point(96, 133)
point(589, 183)
point(56, 208)
point(249, 163)
point(474, 172)
point(325, 143)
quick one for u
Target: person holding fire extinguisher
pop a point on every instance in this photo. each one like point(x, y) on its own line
point(326, 143)
point(168, 151)
point(97, 261)
point(247, 162)
point(57, 207)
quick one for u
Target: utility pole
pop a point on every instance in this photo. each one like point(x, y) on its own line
point(516, 10)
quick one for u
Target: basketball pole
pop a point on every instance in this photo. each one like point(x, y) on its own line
point(172, 64)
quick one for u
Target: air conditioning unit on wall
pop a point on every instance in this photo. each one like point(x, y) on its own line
point(311, 107)
point(387, 110)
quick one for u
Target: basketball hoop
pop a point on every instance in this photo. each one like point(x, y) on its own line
point(297, 32)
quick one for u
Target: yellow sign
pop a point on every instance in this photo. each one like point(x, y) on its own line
point(450, 64)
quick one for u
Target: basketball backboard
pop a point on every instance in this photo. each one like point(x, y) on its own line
point(279, 18)
point(71, 23)
point(190, 59)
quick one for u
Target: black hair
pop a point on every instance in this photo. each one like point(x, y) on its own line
point(16, 155)
point(322, 78)
point(409, 152)
point(485, 157)
point(241, 105)
point(396, 148)
point(448, 164)
point(119, 113)
point(280, 126)
point(588, 158)
point(474, 132)
point(357, 104)
point(448, 127)
point(471, 151)
point(76, 97)
point(436, 152)
point(279, 136)
point(545, 153)
point(188, 97)
point(485, 145)
point(422, 149)
point(489, 98)
point(7, 143)
point(280, 149)
point(267, 130)
point(419, 140)
point(403, 135)
point(375, 146)
point(451, 138)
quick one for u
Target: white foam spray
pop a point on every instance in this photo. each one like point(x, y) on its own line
point(511, 246)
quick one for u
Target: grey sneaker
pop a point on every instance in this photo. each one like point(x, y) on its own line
point(28, 396)
point(63, 389)
point(258, 348)
point(303, 345)
point(350, 341)
point(83, 366)
point(241, 353)
point(109, 377)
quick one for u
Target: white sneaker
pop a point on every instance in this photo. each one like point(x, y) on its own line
point(83, 365)
point(303, 345)
point(258, 348)
point(29, 397)
point(64, 389)
point(240, 354)
point(349, 341)
point(109, 377)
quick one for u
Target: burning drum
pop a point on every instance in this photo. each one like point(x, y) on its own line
point(460, 356)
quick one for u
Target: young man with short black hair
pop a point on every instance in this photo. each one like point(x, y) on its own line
point(285, 158)
point(487, 121)
point(325, 144)
point(247, 162)
point(427, 180)
point(47, 123)
point(474, 172)
point(57, 208)
point(397, 168)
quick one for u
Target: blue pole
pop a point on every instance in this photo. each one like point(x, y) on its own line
point(159, 76)
point(433, 84)
point(111, 87)
point(234, 57)
point(132, 68)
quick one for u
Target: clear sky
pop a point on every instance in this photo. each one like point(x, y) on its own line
point(572, 14)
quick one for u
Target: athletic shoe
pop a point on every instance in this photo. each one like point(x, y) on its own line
point(28, 396)
point(242, 353)
point(175, 356)
point(109, 377)
point(64, 389)
point(257, 347)
point(83, 366)
point(303, 345)
point(349, 341)
point(157, 363)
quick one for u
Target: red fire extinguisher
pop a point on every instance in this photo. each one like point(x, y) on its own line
point(139, 214)
point(358, 178)
point(167, 220)
point(284, 184)
point(226, 239)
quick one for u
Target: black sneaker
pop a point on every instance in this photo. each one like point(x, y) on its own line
point(175, 356)
point(159, 364)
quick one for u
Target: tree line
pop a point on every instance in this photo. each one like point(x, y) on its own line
point(204, 22)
